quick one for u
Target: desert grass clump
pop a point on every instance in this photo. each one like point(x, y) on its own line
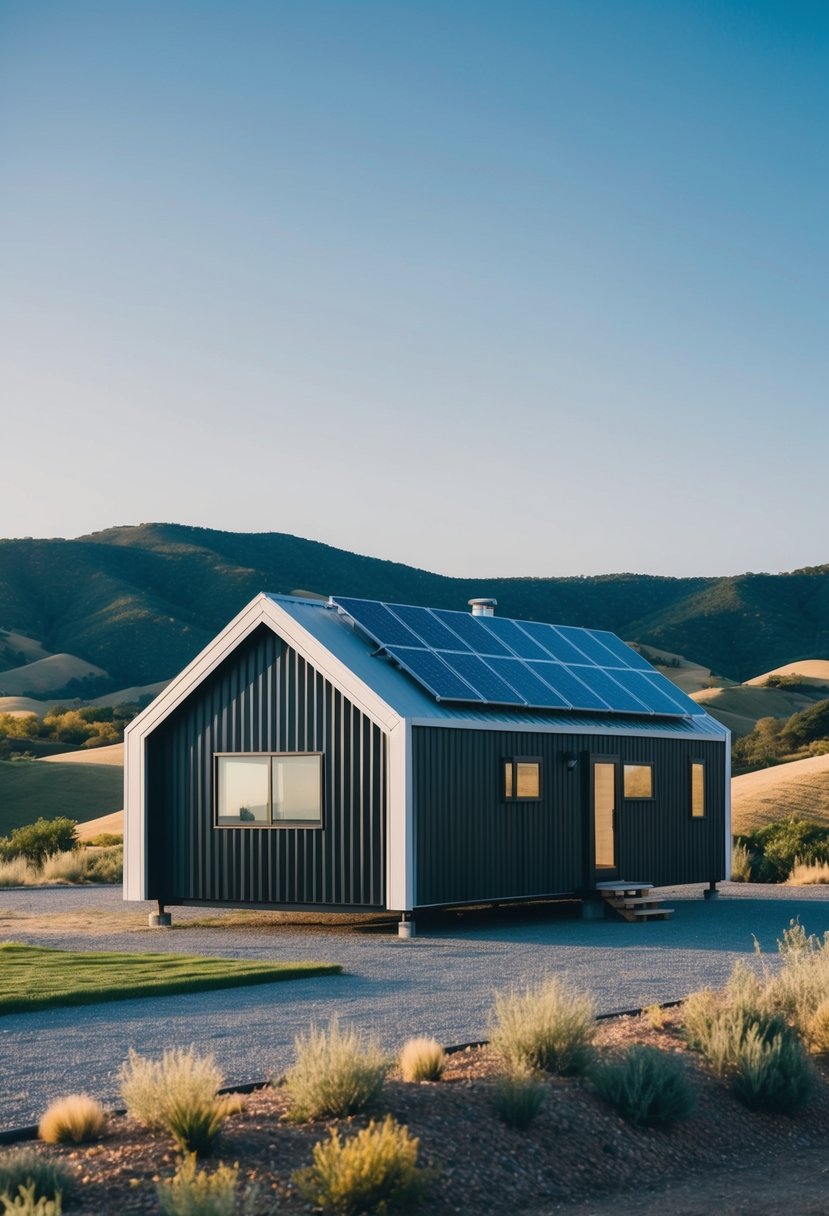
point(75, 1119)
point(518, 1096)
point(817, 1030)
point(25, 1204)
point(654, 1015)
point(422, 1060)
point(178, 1094)
point(741, 859)
point(648, 1087)
point(376, 1171)
point(195, 1192)
point(550, 1027)
point(802, 984)
point(25, 1167)
point(64, 867)
point(805, 873)
point(105, 864)
point(18, 872)
point(773, 1074)
point(336, 1072)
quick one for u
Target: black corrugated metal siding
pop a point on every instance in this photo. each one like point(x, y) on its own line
point(266, 698)
point(471, 845)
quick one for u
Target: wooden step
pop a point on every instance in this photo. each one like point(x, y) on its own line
point(624, 886)
point(632, 901)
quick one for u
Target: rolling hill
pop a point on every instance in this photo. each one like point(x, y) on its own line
point(140, 602)
point(800, 788)
point(29, 789)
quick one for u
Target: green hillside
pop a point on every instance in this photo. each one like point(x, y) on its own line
point(29, 789)
point(140, 602)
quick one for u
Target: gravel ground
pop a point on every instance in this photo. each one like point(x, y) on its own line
point(439, 983)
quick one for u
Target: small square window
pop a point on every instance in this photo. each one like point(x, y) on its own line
point(638, 781)
point(522, 780)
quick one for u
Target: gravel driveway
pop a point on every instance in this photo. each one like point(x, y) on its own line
point(439, 983)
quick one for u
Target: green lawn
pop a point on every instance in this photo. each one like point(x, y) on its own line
point(34, 977)
point(29, 789)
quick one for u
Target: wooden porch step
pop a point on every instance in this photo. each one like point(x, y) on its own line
point(633, 901)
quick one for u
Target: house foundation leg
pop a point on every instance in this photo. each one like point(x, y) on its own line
point(160, 919)
point(712, 892)
point(406, 928)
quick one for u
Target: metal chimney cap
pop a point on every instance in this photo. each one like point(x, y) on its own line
point(483, 607)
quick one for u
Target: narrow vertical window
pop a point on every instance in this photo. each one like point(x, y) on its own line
point(507, 778)
point(697, 789)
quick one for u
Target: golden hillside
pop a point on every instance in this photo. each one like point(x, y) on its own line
point(800, 788)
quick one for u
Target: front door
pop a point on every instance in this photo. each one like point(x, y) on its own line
point(605, 791)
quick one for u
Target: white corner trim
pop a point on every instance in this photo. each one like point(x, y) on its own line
point(400, 862)
point(728, 848)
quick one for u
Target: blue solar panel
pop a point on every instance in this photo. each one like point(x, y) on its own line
point(532, 688)
point(589, 646)
point(641, 686)
point(554, 644)
point(379, 623)
point(628, 656)
point(604, 685)
point(566, 683)
point(498, 661)
point(433, 673)
point(478, 639)
point(511, 635)
point(491, 687)
point(426, 625)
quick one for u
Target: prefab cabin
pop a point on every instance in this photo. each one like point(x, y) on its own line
point(357, 755)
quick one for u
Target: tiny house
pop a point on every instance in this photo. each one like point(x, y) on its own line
point(358, 755)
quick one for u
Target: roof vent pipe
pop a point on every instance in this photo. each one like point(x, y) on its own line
point(483, 607)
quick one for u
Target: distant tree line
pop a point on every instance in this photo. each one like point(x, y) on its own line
point(773, 739)
point(86, 727)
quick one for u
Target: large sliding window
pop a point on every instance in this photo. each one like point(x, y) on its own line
point(269, 790)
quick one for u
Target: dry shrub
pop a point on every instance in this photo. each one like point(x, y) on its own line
point(18, 873)
point(806, 872)
point(64, 867)
point(76, 1119)
point(654, 1015)
point(376, 1171)
point(518, 1096)
point(105, 864)
point(802, 984)
point(648, 1087)
point(25, 1204)
point(336, 1072)
point(178, 1094)
point(194, 1192)
point(422, 1060)
point(741, 858)
point(550, 1027)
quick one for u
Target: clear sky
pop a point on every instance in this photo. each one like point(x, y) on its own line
point(513, 288)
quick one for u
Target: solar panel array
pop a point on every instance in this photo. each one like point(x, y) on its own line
point(491, 660)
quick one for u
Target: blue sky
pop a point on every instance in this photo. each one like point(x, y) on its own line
point(488, 288)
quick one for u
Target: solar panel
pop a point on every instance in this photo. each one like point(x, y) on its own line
point(426, 625)
point(467, 627)
point(498, 661)
point(432, 672)
point(477, 673)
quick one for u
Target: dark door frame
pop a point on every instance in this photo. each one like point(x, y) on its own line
point(604, 873)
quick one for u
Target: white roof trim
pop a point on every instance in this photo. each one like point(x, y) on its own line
point(261, 610)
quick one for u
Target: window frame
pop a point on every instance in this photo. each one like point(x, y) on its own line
point(315, 825)
point(651, 797)
point(692, 763)
point(510, 764)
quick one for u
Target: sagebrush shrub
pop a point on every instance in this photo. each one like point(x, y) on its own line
point(336, 1072)
point(375, 1171)
point(648, 1087)
point(802, 984)
point(773, 1074)
point(422, 1060)
point(195, 1192)
point(151, 1087)
point(27, 1168)
point(105, 864)
point(75, 1119)
point(518, 1096)
point(550, 1027)
point(194, 1125)
point(717, 1024)
point(25, 1204)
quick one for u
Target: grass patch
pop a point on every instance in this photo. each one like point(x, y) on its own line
point(36, 977)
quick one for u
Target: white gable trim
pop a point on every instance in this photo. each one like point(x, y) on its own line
point(261, 610)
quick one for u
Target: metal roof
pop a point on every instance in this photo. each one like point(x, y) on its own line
point(410, 700)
